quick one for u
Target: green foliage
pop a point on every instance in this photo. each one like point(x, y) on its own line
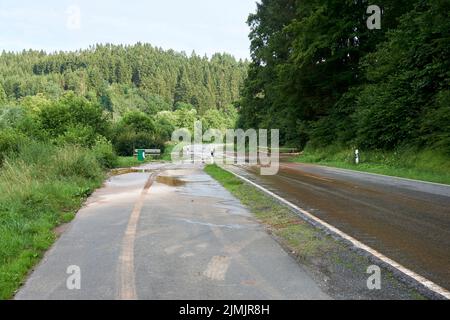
point(80, 135)
point(127, 162)
point(185, 118)
point(138, 122)
point(10, 142)
point(322, 77)
point(35, 103)
point(136, 130)
point(104, 153)
point(435, 127)
point(128, 141)
point(164, 128)
point(71, 112)
point(10, 117)
point(222, 120)
point(74, 161)
point(125, 78)
point(409, 83)
point(41, 186)
point(3, 97)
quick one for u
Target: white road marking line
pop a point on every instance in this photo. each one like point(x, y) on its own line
point(217, 268)
point(420, 279)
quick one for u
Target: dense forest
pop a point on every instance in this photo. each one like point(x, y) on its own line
point(120, 77)
point(134, 96)
point(324, 78)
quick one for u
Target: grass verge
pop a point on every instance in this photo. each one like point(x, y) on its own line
point(126, 162)
point(430, 166)
point(341, 272)
point(41, 187)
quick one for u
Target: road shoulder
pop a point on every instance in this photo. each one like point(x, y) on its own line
point(339, 270)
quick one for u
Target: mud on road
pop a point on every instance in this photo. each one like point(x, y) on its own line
point(407, 221)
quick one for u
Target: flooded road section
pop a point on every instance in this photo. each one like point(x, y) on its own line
point(168, 232)
point(407, 221)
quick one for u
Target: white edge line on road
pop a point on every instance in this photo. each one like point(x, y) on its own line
point(420, 279)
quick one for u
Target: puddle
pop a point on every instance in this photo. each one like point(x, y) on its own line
point(170, 181)
point(119, 172)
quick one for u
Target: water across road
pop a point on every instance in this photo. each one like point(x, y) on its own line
point(408, 221)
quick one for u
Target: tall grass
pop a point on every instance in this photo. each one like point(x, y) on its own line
point(41, 186)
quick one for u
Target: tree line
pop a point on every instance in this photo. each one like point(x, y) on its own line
point(140, 76)
point(134, 96)
point(324, 78)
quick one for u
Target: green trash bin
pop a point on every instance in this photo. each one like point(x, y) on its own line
point(141, 154)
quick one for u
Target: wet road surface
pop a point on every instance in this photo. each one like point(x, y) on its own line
point(168, 232)
point(405, 220)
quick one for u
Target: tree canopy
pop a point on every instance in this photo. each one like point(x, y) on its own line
point(323, 77)
point(124, 78)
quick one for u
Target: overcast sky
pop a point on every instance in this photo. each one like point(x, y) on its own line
point(206, 26)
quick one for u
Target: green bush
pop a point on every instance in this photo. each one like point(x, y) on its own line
point(138, 122)
point(64, 116)
point(128, 141)
point(73, 161)
point(104, 153)
point(78, 135)
point(435, 130)
point(10, 142)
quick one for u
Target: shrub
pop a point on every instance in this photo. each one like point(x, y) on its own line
point(73, 161)
point(104, 153)
point(78, 135)
point(10, 142)
point(138, 122)
point(72, 112)
point(126, 142)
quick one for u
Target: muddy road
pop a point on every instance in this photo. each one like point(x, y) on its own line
point(405, 220)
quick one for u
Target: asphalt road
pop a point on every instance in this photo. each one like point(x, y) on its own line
point(407, 221)
point(171, 232)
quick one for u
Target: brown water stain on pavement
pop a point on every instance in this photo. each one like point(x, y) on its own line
point(170, 181)
point(410, 227)
point(123, 171)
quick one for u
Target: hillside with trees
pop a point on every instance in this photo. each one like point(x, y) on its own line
point(125, 77)
point(134, 96)
point(321, 76)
